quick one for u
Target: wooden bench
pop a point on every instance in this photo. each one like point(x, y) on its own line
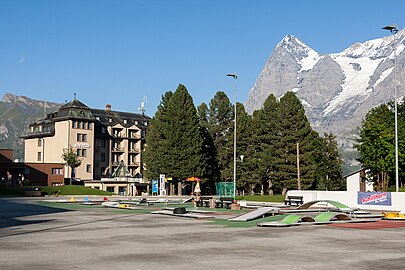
point(203, 201)
point(224, 202)
point(297, 200)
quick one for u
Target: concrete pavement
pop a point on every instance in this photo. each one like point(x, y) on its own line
point(37, 237)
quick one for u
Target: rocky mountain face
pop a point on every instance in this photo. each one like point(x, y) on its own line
point(16, 113)
point(337, 90)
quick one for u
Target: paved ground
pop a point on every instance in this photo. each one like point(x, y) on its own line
point(37, 237)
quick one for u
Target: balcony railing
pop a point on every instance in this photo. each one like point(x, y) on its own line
point(134, 163)
point(118, 149)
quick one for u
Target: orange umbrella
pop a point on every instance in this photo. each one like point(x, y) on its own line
point(193, 178)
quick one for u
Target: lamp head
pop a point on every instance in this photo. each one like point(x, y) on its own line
point(234, 75)
point(392, 28)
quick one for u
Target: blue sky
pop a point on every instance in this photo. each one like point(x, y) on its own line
point(116, 51)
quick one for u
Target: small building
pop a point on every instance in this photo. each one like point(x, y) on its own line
point(13, 173)
point(357, 181)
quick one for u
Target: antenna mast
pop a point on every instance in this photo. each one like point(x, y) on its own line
point(144, 99)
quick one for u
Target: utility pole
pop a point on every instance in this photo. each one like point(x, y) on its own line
point(298, 166)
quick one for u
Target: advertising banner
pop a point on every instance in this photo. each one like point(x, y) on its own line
point(155, 184)
point(374, 198)
point(162, 185)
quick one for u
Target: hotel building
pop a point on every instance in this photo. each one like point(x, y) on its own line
point(103, 139)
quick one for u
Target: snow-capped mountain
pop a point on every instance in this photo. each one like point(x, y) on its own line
point(337, 90)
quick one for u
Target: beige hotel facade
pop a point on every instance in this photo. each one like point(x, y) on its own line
point(103, 139)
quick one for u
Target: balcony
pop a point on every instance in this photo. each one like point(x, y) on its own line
point(118, 149)
point(133, 164)
point(134, 150)
point(135, 136)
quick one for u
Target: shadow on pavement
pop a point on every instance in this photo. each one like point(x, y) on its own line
point(11, 209)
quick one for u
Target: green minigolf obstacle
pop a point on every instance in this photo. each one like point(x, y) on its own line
point(290, 219)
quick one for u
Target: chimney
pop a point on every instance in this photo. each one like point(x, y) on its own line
point(108, 107)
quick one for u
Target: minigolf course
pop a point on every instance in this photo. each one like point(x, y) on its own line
point(260, 212)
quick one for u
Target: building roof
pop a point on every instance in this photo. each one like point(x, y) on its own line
point(75, 103)
point(75, 109)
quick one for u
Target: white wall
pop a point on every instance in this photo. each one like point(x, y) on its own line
point(349, 198)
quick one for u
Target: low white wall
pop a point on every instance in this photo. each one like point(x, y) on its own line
point(349, 198)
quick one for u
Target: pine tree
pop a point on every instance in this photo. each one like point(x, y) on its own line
point(329, 164)
point(209, 164)
point(183, 142)
point(243, 134)
point(262, 151)
point(220, 127)
point(154, 157)
point(294, 128)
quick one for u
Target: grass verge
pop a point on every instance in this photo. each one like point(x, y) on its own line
point(258, 198)
point(74, 190)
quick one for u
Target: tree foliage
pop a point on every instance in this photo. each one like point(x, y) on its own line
point(71, 160)
point(376, 144)
point(173, 140)
point(220, 126)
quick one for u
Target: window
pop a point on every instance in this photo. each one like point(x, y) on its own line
point(81, 152)
point(88, 168)
point(89, 126)
point(81, 137)
point(39, 156)
point(103, 143)
point(110, 189)
point(102, 171)
point(102, 157)
point(57, 171)
point(39, 142)
point(80, 124)
point(74, 124)
point(103, 130)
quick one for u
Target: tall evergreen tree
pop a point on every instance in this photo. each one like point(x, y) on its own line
point(183, 143)
point(209, 163)
point(329, 164)
point(220, 127)
point(243, 134)
point(294, 128)
point(262, 151)
point(154, 156)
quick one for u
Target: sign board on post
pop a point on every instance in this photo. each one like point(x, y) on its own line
point(155, 186)
point(374, 198)
point(162, 185)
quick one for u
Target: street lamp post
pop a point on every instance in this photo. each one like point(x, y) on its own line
point(393, 29)
point(235, 76)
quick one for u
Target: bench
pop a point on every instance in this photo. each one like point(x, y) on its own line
point(203, 201)
point(297, 200)
point(224, 202)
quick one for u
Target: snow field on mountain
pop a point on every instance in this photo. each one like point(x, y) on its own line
point(356, 81)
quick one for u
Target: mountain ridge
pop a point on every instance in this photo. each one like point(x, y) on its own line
point(16, 113)
point(337, 89)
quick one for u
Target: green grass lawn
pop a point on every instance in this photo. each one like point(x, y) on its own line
point(258, 198)
point(74, 190)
